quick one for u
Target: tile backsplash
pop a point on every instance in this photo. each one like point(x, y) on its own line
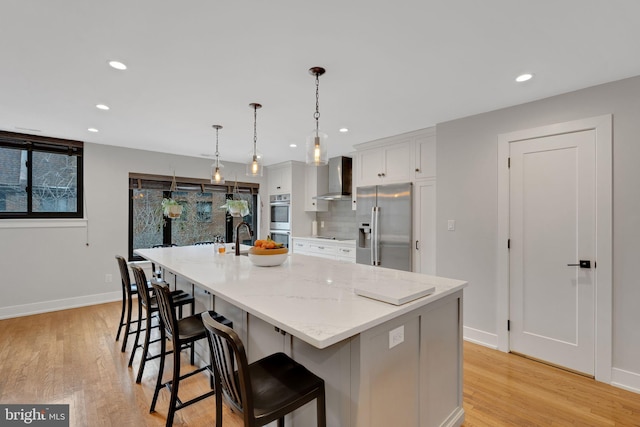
point(339, 220)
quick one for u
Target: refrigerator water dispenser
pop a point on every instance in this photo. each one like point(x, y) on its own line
point(364, 236)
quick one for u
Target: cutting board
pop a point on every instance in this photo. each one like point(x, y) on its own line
point(396, 293)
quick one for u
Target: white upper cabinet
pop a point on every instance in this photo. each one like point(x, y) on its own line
point(316, 184)
point(425, 157)
point(386, 164)
point(279, 179)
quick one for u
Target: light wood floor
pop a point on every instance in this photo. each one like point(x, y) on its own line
point(71, 357)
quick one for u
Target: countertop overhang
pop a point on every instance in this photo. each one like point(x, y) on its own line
point(310, 298)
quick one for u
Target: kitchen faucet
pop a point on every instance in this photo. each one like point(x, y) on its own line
point(238, 235)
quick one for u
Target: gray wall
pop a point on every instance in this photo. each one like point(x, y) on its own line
point(467, 192)
point(49, 265)
point(339, 220)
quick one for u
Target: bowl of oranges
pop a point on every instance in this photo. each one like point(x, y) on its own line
point(267, 253)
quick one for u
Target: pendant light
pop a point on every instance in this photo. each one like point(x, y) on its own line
point(317, 141)
point(254, 167)
point(216, 172)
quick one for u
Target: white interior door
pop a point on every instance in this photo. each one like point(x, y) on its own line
point(552, 225)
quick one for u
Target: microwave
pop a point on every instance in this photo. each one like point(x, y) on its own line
point(280, 211)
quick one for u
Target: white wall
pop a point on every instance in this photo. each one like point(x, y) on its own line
point(63, 264)
point(467, 192)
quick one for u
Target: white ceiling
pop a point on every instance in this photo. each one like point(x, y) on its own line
point(392, 67)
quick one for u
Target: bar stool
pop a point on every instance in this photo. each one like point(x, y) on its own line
point(149, 303)
point(129, 289)
point(265, 390)
point(183, 333)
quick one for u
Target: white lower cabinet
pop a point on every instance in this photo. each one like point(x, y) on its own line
point(324, 248)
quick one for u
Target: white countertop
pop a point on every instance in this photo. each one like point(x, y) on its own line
point(310, 298)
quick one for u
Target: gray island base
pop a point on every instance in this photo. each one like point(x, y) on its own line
point(383, 364)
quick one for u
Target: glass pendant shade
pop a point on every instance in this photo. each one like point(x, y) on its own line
point(317, 149)
point(216, 173)
point(254, 166)
point(216, 167)
point(317, 142)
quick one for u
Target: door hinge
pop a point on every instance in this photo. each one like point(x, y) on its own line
point(508, 325)
point(509, 162)
point(508, 243)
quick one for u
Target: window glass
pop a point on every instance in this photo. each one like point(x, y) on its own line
point(147, 218)
point(13, 180)
point(55, 183)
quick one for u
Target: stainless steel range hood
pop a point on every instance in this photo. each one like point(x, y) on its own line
point(339, 179)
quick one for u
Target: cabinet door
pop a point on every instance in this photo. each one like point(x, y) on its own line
point(399, 163)
point(316, 184)
point(263, 339)
point(424, 248)
point(370, 167)
point(279, 181)
point(425, 157)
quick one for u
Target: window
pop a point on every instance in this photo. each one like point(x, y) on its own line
point(40, 177)
point(202, 219)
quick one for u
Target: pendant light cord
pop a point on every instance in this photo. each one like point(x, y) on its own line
point(316, 115)
point(217, 152)
point(255, 131)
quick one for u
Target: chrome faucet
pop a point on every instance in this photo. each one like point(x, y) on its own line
point(238, 235)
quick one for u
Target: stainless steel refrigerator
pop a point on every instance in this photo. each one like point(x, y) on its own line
point(384, 220)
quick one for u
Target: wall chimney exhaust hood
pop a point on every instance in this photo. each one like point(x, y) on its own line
point(339, 179)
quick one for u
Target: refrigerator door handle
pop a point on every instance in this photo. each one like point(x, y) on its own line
point(373, 235)
point(376, 234)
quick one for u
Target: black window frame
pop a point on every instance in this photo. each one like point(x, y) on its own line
point(44, 144)
point(164, 183)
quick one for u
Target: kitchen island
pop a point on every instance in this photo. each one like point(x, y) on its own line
point(383, 364)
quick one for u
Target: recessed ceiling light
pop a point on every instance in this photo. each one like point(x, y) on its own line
point(102, 107)
point(293, 145)
point(524, 77)
point(117, 65)
point(343, 130)
point(94, 130)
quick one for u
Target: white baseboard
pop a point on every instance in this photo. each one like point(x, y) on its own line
point(61, 304)
point(625, 379)
point(480, 337)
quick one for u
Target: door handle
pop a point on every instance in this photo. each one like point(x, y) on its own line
point(584, 263)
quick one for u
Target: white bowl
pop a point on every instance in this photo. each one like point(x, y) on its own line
point(268, 260)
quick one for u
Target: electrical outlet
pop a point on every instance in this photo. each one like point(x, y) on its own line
point(321, 224)
point(396, 336)
point(108, 278)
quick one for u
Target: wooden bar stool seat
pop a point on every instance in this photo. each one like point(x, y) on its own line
point(265, 390)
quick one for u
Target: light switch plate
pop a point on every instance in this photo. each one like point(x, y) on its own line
point(451, 225)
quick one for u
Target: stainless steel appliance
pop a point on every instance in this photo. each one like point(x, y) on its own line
point(281, 236)
point(384, 219)
point(339, 179)
point(280, 207)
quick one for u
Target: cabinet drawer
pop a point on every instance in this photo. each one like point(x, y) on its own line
point(300, 247)
point(323, 250)
point(346, 253)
